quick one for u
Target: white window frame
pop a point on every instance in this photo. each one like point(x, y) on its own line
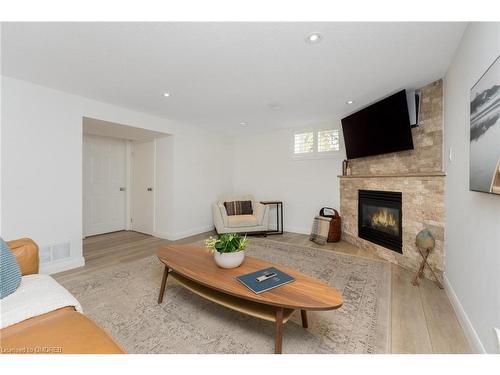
point(304, 154)
point(315, 154)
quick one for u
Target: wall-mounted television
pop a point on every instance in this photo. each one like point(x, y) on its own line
point(380, 128)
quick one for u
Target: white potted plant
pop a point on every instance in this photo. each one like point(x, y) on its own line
point(228, 249)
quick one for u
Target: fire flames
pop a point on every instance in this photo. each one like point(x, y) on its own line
point(383, 218)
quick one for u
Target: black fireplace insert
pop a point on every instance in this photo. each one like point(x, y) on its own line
point(380, 218)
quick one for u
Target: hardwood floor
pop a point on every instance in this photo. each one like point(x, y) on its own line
point(422, 318)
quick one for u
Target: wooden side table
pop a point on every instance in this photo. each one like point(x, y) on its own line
point(279, 216)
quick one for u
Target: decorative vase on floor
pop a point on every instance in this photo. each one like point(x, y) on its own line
point(229, 260)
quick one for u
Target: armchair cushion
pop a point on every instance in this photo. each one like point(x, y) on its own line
point(238, 221)
point(10, 273)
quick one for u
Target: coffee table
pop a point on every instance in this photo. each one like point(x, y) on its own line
point(194, 268)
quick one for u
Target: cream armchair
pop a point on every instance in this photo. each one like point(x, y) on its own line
point(257, 222)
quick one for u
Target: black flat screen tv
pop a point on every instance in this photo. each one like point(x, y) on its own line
point(380, 128)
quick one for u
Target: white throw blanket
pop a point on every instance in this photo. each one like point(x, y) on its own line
point(37, 295)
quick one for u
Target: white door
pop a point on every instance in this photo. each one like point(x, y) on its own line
point(142, 197)
point(104, 182)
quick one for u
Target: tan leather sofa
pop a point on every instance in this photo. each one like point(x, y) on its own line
point(63, 331)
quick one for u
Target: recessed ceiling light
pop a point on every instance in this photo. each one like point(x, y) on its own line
point(350, 102)
point(314, 38)
point(243, 123)
point(166, 94)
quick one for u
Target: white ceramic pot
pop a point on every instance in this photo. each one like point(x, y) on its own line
point(229, 260)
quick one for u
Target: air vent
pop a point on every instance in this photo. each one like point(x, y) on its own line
point(60, 251)
point(55, 252)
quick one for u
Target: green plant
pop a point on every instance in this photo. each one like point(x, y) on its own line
point(227, 243)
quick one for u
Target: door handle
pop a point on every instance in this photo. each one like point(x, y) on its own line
point(149, 189)
point(122, 188)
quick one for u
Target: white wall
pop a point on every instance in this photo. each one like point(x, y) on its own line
point(263, 166)
point(472, 239)
point(202, 170)
point(164, 181)
point(42, 167)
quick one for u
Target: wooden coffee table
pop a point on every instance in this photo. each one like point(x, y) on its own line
point(194, 268)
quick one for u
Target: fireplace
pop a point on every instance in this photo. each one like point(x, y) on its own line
point(380, 218)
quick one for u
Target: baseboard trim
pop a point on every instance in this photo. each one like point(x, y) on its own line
point(162, 235)
point(298, 230)
point(183, 234)
point(62, 265)
point(208, 228)
point(470, 333)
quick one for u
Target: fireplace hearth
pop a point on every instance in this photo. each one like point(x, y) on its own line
point(380, 218)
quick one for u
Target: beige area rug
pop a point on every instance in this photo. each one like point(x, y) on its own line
point(123, 300)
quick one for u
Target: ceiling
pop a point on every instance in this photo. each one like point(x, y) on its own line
point(222, 74)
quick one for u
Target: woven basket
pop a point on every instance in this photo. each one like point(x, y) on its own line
point(335, 231)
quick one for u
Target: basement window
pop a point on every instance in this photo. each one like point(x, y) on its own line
point(328, 140)
point(303, 143)
point(318, 143)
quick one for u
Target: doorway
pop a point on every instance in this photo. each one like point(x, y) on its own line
point(119, 172)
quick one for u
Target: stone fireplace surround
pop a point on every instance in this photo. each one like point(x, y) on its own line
point(422, 206)
point(417, 174)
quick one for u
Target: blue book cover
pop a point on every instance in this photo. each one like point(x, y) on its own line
point(265, 279)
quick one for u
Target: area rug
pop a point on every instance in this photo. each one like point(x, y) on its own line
point(123, 300)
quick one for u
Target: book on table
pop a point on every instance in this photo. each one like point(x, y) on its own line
point(265, 279)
